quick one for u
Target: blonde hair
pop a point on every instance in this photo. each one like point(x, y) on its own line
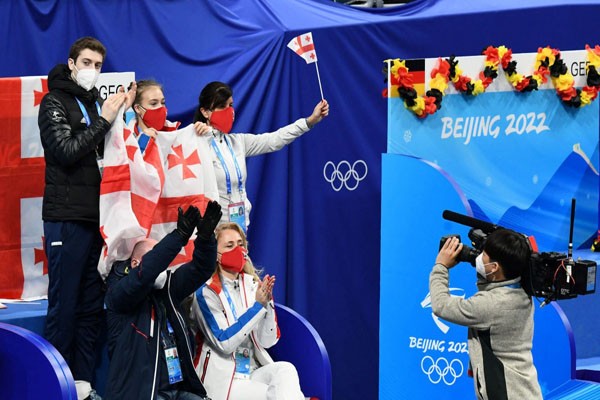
point(249, 267)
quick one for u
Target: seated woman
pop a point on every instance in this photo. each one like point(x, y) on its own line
point(236, 314)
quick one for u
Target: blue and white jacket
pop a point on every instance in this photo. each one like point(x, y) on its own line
point(223, 333)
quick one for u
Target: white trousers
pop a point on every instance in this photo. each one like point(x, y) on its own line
point(277, 381)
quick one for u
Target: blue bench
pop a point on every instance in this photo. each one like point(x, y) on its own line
point(30, 368)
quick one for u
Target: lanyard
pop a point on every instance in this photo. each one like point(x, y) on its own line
point(514, 285)
point(237, 167)
point(142, 138)
point(230, 302)
point(88, 121)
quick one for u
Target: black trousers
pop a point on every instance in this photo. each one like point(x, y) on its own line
point(75, 293)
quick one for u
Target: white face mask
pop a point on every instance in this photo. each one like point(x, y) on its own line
point(87, 78)
point(480, 266)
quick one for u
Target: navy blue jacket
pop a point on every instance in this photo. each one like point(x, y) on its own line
point(131, 300)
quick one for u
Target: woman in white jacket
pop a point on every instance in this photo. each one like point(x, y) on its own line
point(213, 119)
point(236, 314)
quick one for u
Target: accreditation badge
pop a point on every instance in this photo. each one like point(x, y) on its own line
point(242, 363)
point(173, 365)
point(100, 162)
point(237, 214)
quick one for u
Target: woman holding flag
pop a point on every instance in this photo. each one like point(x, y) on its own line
point(214, 119)
point(150, 112)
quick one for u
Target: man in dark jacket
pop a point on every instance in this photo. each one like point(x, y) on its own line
point(149, 343)
point(72, 127)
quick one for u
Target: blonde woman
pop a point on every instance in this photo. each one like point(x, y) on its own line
point(236, 314)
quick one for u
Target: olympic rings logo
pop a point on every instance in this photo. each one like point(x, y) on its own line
point(441, 369)
point(344, 174)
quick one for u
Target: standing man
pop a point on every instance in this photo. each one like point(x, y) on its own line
point(72, 124)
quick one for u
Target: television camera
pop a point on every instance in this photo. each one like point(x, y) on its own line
point(551, 275)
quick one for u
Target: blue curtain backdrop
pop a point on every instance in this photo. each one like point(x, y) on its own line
point(322, 244)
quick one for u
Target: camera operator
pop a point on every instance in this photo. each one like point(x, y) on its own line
point(499, 315)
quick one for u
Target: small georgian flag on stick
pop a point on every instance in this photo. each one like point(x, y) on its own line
point(304, 46)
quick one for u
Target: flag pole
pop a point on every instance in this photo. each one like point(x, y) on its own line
point(319, 78)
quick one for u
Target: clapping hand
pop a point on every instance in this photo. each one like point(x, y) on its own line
point(130, 95)
point(111, 106)
point(264, 294)
point(113, 103)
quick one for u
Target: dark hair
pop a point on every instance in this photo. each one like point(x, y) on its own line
point(142, 86)
point(86, 42)
point(510, 249)
point(213, 95)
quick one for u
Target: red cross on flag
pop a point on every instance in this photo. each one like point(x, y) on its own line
point(24, 267)
point(140, 193)
point(303, 46)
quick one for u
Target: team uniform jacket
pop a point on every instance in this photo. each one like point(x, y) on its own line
point(136, 311)
point(246, 145)
point(500, 321)
point(72, 189)
point(223, 334)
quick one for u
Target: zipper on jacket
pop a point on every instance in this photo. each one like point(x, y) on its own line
point(155, 364)
point(137, 330)
point(179, 318)
point(205, 366)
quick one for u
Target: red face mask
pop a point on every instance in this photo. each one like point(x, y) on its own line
point(234, 260)
point(223, 119)
point(155, 118)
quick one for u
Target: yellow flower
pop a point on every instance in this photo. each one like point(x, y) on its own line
point(439, 83)
point(563, 82)
point(544, 53)
point(514, 79)
point(593, 56)
point(492, 64)
point(478, 89)
point(502, 51)
point(585, 98)
point(419, 106)
point(396, 63)
point(457, 74)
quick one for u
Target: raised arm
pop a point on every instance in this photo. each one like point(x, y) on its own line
point(125, 292)
point(189, 277)
point(273, 141)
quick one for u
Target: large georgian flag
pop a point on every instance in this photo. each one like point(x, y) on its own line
point(140, 193)
point(23, 267)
